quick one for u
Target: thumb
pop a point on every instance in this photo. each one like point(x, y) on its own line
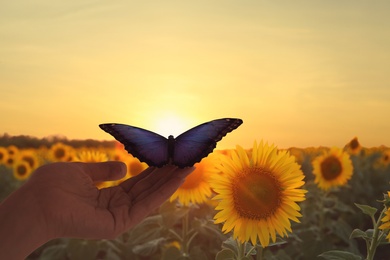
point(104, 171)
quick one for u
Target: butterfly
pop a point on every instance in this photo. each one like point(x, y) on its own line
point(183, 151)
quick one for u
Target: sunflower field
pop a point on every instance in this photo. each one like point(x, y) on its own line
point(259, 202)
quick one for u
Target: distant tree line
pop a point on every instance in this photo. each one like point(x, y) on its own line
point(26, 141)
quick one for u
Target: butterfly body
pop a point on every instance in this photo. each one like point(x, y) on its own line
point(183, 151)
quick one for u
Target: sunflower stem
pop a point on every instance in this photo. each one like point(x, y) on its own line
point(375, 237)
point(185, 244)
point(260, 252)
point(191, 238)
point(176, 235)
point(240, 249)
point(250, 251)
point(322, 213)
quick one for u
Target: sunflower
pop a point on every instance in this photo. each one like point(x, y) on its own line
point(3, 155)
point(258, 194)
point(21, 169)
point(134, 166)
point(13, 151)
point(89, 155)
point(297, 153)
point(385, 158)
point(30, 156)
point(333, 168)
point(196, 188)
point(386, 220)
point(60, 152)
point(353, 147)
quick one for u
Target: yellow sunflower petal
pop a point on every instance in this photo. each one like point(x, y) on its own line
point(257, 196)
point(334, 168)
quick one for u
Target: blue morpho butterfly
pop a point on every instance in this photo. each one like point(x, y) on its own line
point(183, 151)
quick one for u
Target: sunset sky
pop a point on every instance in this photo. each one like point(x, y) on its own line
point(299, 73)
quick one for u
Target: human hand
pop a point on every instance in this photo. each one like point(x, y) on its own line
point(72, 206)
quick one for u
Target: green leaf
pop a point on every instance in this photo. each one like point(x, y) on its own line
point(108, 244)
point(339, 255)
point(83, 249)
point(231, 244)
point(359, 233)
point(367, 209)
point(340, 228)
point(148, 248)
point(209, 229)
point(196, 253)
point(149, 228)
point(54, 252)
point(225, 254)
point(279, 241)
point(171, 253)
point(383, 240)
point(113, 255)
point(171, 213)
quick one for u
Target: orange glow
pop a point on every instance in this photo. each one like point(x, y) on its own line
point(171, 124)
point(67, 68)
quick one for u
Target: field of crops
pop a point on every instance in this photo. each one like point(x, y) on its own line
point(339, 211)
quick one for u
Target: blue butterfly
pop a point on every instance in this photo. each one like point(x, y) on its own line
point(183, 151)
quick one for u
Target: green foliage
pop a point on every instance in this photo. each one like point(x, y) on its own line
point(339, 255)
point(337, 224)
point(367, 209)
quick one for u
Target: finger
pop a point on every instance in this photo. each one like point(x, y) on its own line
point(104, 171)
point(143, 207)
point(158, 175)
point(151, 187)
point(129, 183)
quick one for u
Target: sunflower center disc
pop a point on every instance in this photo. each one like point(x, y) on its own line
point(331, 168)
point(21, 170)
point(59, 153)
point(257, 194)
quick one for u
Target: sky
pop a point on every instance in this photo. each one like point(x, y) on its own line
point(299, 73)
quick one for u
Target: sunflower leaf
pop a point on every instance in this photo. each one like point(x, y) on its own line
point(359, 233)
point(367, 209)
point(148, 248)
point(171, 253)
point(54, 252)
point(279, 241)
point(225, 254)
point(383, 240)
point(339, 255)
point(231, 244)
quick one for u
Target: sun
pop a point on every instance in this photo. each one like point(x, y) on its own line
point(171, 124)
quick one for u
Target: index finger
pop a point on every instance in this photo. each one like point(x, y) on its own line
point(150, 199)
point(158, 180)
point(103, 171)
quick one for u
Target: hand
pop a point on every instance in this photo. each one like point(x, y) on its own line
point(60, 200)
point(74, 207)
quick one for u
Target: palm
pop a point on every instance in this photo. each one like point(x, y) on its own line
point(77, 208)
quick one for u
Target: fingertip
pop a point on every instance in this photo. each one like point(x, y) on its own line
point(115, 169)
point(123, 167)
point(118, 167)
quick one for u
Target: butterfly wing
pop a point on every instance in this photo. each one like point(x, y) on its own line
point(147, 146)
point(196, 143)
